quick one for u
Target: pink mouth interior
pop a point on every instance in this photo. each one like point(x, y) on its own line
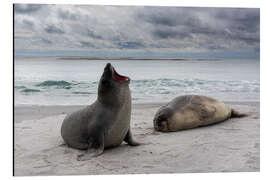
point(118, 77)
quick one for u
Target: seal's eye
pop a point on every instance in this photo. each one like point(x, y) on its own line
point(161, 121)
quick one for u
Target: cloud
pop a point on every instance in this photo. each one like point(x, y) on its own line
point(170, 33)
point(92, 34)
point(130, 45)
point(86, 44)
point(136, 28)
point(28, 23)
point(204, 25)
point(26, 8)
point(68, 15)
point(168, 16)
point(52, 29)
point(45, 41)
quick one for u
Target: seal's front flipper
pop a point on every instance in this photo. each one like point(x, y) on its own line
point(130, 140)
point(96, 148)
point(204, 111)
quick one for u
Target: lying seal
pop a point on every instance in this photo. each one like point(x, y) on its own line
point(105, 123)
point(191, 111)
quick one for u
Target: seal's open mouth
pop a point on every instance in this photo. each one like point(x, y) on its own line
point(118, 77)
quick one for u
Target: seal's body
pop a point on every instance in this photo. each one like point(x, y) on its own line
point(105, 123)
point(191, 111)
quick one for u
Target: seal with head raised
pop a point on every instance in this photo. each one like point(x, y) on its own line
point(191, 111)
point(106, 122)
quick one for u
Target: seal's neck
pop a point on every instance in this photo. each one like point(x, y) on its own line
point(108, 101)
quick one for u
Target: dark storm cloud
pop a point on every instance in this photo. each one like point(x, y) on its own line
point(167, 33)
point(52, 29)
point(130, 45)
point(237, 24)
point(45, 41)
point(92, 34)
point(85, 44)
point(244, 24)
point(240, 18)
point(67, 15)
point(179, 23)
point(159, 20)
point(168, 16)
point(245, 37)
point(134, 29)
point(26, 8)
point(28, 23)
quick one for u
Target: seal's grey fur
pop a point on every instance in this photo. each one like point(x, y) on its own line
point(106, 122)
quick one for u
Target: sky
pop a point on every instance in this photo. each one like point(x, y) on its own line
point(136, 31)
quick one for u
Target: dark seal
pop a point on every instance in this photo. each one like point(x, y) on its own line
point(106, 122)
point(191, 111)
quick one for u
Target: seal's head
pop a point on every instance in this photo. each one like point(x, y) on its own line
point(161, 119)
point(112, 86)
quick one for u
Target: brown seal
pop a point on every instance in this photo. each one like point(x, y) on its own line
point(191, 111)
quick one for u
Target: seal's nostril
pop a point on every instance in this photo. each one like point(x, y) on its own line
point(108, 65)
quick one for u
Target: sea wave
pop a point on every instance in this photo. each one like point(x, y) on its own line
point(24, 89)
point(19, 87)
point(141, 90)
point(54, 83)
point(82, 93)
point(146, 90)
point(28, 90)
point(164, 85)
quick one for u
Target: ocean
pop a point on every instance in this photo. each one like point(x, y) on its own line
point(58, 81)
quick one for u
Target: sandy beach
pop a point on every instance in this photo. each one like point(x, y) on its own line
point(231, 146)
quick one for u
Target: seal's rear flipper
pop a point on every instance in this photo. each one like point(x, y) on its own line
point(130, 140)
point(236, 114)
point(96, 148)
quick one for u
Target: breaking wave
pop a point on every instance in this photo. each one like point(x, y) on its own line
point(146, 90)
point(27, 90)
point(54, 83)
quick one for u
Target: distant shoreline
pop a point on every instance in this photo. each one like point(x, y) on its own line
point(119, 58)
point(139, 59)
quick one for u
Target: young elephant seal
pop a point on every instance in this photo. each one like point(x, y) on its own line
point(191, 111)
point(105, 123)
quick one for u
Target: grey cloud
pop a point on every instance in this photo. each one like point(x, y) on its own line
point(213, 46)
point(45, 41)
point(130, 45)
point(168, 16)
point(85, 44)
point(18, 37)
point(158, 20)
point(236, 20)
point(257, 49)
point(92, 34)
point(67, 15)
point(242, 16)
point(26, 8)
point(52, 29)
point(242, 22)
point(166, 34)
point(28, 23)
point(139, 28)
